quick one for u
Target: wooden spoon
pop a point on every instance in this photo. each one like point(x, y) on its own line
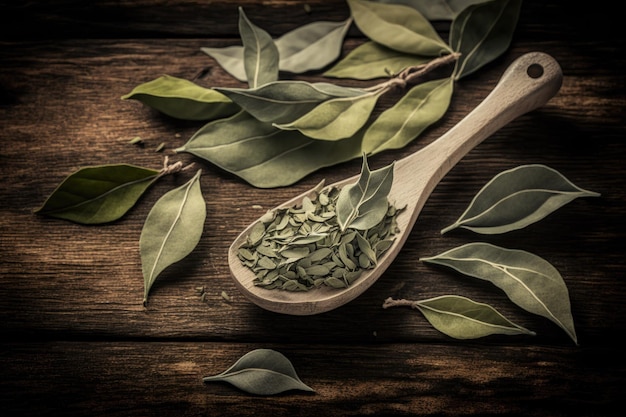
point(528, 83)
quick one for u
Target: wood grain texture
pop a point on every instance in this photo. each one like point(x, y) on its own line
point(77, 340)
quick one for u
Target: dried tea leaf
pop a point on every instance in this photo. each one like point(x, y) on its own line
point(517, 198)
point(264, 156)
point(260, 55)
point(364, 204)
point(98, 194)
point(462, 318)
point(172, 230)
point(309, 47)
point(182, 99)
point(262, 372)
point(371, 60)
point(312, 46)
point(397, 27)
point(285, 101)
point(419, 108)
point(335, 119)
point(436, 9)
point(482, 32)
point(529, 281)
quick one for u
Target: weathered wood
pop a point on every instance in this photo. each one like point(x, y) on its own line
point(77, 340)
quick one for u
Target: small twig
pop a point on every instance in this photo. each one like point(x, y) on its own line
point(410, 74)
point(390, 302)
point(174, 168)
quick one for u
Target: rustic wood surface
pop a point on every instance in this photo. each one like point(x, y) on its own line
point(76, 339)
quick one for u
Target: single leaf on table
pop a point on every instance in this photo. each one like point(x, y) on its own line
point(482, 32)
point(172, 230)
point(371, 60)
point(98, 194)
point(335, 119)
point(364, 204)
point(307, 48)
point(528, 280)
point(419, 108)
point(516, 198)
point(260, 55)
point(262, 372)
point(436, 9)
point(263, 155)
point(397, 27)
point(182, 99)
point(462, 318)
point(286, 101)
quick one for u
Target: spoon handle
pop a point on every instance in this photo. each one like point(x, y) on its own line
point(528, 83)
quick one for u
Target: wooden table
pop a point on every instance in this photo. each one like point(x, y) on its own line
point(76, 339)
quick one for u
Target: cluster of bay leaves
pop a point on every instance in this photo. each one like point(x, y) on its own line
point(275, 132)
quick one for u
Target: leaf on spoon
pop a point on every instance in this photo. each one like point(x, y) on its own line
point(286, 101)
point(172, 230)
point(397, 27)
point(182, 99)
point(260, 55)
point(529, 281)
point(436, 9)
point(419, 108)
point(98, 194)
point(262, 372)
point(517, 198)
point(482, 32)
point(363, 205)
point(263, 155)
point(462, 318)
point(372, 60)
point(307, 48)
point(335, 119)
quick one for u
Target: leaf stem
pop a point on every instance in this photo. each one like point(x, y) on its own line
point(410, 74)
point(174, 168)
point(390, 302)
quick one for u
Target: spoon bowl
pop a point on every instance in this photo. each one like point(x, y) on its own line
point(528, 83)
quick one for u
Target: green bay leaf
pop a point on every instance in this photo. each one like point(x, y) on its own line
point(516, 198)
point(397, 27)
point(286, 101)
point(462, 318)
point(528, 280)
point(364, 204)
point(482, 32)
point(263, 155)
point(182, 99)
point(335, 119)
point(98, 194)
point(420, 107)
point(262, 372)
point(172, 230)
point(260, 55)
point(371, 60)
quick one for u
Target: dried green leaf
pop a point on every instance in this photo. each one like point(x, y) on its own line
point(529, 281)
point(172, 230)
point(397, 27)
point(372, 60)
point(262, 372)
point(436, 9)
point(517, 198)
point(364, 204)
point(286, 101)
point(462, 318)
point(182, 99)
point(482, 32)
point(309, 47)
point(260, 55)
point(98, 194)
point(335, 119)
point(264, 156)
point(419, 108)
